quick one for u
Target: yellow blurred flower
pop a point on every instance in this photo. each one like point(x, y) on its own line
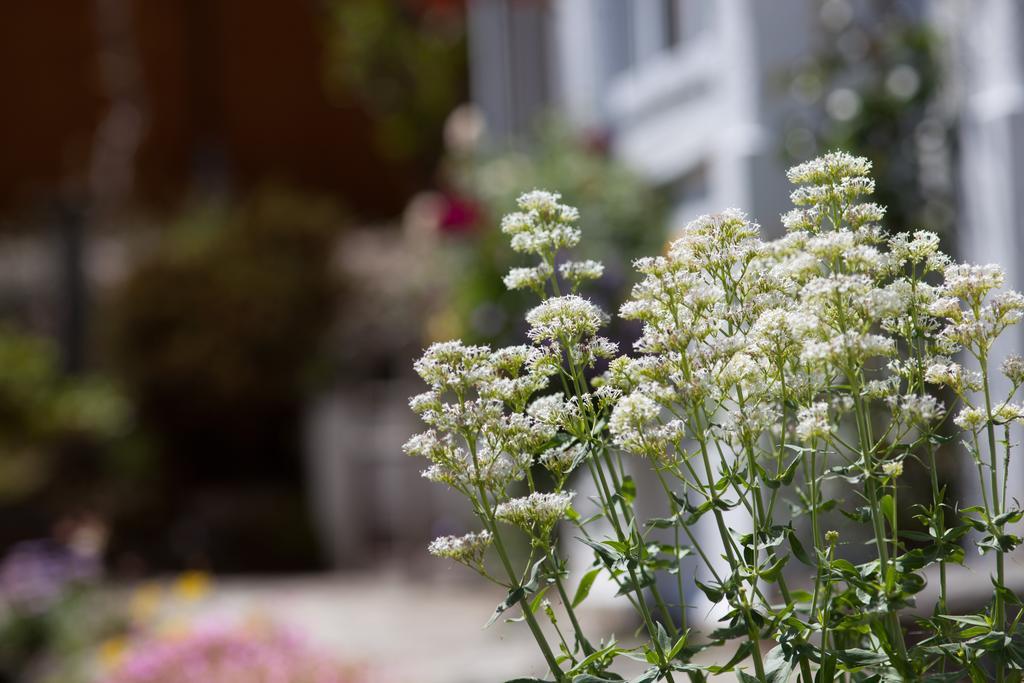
point(192, 585)
point(112, 651)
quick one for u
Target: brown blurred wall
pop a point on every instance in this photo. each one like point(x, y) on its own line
point(233, 96)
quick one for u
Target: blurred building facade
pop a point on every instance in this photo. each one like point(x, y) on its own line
point(689, 91)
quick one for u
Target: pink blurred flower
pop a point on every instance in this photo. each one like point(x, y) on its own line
point(218, 653)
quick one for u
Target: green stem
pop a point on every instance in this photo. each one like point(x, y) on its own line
point(651, 629)
point(627, 513)
point(524, 605)
point(998, 610)
point(871, 484)
point(674, 508)
point(580, 638)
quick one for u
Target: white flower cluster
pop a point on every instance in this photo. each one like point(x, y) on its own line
point(479, 434)
point(1013, 368)
point(577, 272)
point(631, 421)
point(829, 168)
point(571, 323)
point(536, 513)
point(534, 278)
point(570, 318)
point(739, 330)
point(468, 549)
point(813, 422)
point(542, 227)
point(560, 461)
point(453, 366)
point(893, 469)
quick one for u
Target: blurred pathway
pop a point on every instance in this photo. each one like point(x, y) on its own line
point(427, 632)
point(422, 631)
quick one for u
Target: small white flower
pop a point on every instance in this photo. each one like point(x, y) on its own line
point(893, 470)
point(1013, 369)
point(468, 549)
point(919, 247)
point(578, 271)
point(566, 319)
point(536, 511)
point(561, 460)
point(828, 168)
point(813, 423)
point(1008, 412)
point(630, 417)
point(543, 225)
point(971, 419)
point(972, 282)
point(454, 366)
point(922, 409)
point(528, 278)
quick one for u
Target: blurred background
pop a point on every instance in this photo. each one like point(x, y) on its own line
point(227, 228)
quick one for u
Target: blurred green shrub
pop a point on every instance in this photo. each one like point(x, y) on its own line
point(42, 410)
point(404, 63)
point(219, 332)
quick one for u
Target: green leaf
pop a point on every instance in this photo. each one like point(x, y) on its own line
point(628, 586)
point(606, 554)
point(662, 522)
point(609, 650)
point(713, 594)
point(1010, 516)
point(649, 676)
point(742, 652)
point(512, 598)
point(855, 657)
point(798, 548)
point(680, 644)
point(772, 572)
point(695, 513)
point(628, 489)
point(972, 619)
point(537, 599)
point(534, 604)
point(777, 666)
point(583, 590)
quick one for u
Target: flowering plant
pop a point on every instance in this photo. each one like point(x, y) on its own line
point(766, 372)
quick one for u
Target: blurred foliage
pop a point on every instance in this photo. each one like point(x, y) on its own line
point(42, 410)
point(404, 63)
point(219, 332)
point(873, 87)
point(622, 217)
